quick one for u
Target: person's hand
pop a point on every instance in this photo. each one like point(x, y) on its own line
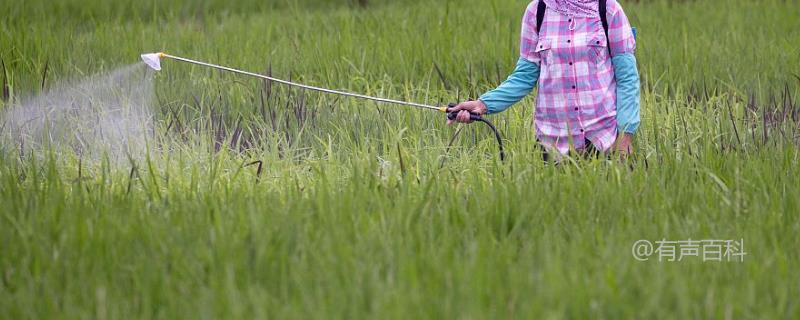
point(624, 146)
point(465, 108)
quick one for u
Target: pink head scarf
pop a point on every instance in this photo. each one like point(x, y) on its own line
point(575, 8)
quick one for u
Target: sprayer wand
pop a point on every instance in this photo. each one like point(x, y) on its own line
point(153, 60)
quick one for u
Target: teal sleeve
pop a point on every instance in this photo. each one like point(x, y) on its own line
point(518, 85)
point(628, 92)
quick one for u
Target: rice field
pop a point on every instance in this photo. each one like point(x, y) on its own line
point(255, 200)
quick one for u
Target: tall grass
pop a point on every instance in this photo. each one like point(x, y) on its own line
point(352, 215)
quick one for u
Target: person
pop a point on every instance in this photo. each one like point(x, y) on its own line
point(588, 97)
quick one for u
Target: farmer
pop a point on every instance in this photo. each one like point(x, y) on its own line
point(588, 94)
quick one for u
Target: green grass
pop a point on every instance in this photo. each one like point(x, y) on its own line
point(352, 216)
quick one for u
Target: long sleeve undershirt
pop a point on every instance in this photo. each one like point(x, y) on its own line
point(520, 83)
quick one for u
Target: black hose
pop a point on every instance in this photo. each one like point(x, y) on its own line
point(478, 118)
point(496, 135)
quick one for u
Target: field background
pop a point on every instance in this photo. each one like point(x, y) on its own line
point(363, 210)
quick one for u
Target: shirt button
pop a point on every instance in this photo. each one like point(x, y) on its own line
point(581, 130)
point(568, 41)
point(570, 20)
point(576, 108)
point(570, 63)
point(573, 87)
point(598, 42)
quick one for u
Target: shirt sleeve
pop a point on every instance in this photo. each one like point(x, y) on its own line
point(518, 85)
point(627, 76)
point(529, 37)
point(623, 46)
point(620, 33)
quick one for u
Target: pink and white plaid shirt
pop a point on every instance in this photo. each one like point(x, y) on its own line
point(577, 91)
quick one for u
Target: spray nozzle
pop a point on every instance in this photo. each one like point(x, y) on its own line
point(153, 60)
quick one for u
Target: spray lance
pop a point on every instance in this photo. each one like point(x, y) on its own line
point(153, 60)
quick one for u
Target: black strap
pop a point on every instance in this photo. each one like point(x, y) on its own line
point(540, 15)
point(603, 19)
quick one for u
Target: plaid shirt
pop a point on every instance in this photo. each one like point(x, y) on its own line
point(577, 91)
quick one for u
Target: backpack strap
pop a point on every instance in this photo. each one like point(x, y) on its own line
point(604, 21)
point(540, 15)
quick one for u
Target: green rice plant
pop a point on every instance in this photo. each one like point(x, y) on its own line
point(255, 200)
